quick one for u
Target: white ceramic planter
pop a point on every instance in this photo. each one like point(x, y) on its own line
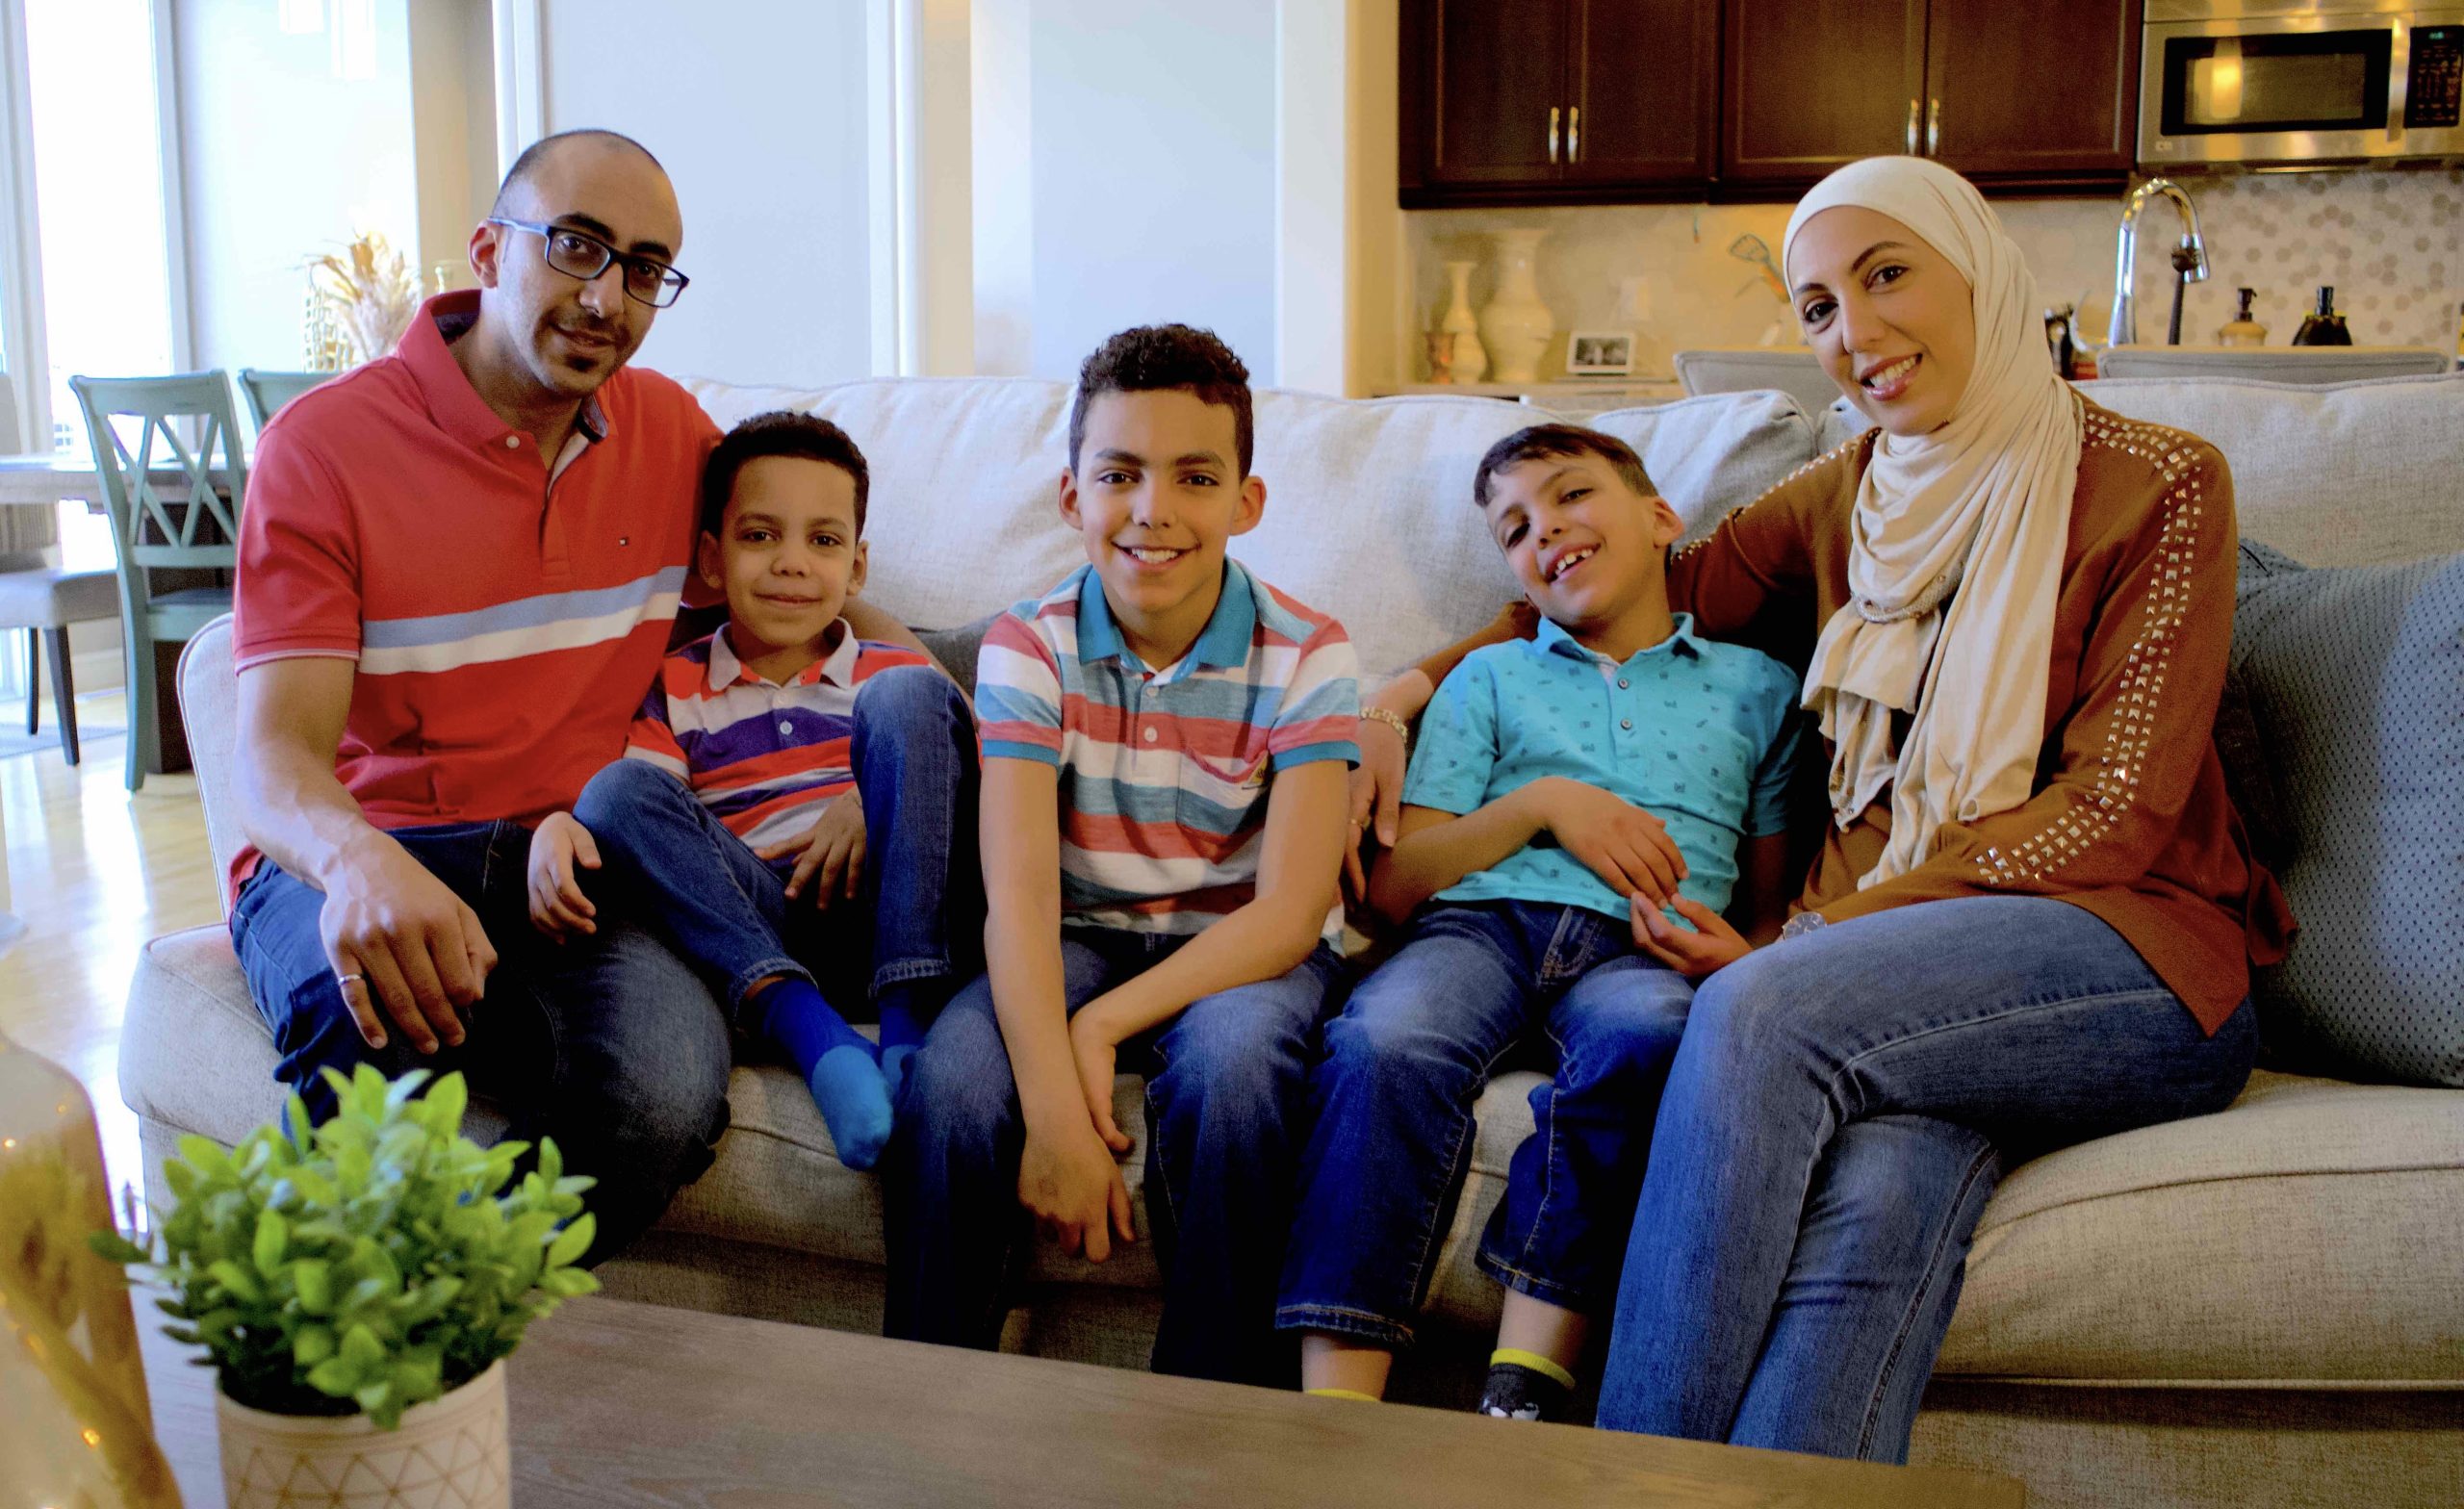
point(451, 1451)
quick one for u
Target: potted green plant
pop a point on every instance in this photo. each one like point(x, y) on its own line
point(356, 1287)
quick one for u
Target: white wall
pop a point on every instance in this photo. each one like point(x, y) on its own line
point(758, 109)
point(1152, 162)
point(280, 160)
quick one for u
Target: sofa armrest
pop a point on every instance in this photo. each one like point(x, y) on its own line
point(210, 711)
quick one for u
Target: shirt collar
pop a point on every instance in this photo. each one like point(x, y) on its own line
point(1223, 643)
point(427, 351)
point(1552, 639)
point(837, 665)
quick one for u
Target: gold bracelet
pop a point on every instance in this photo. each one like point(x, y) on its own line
point(1391, 719)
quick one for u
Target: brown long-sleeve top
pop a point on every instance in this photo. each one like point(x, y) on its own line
point(2130, 819)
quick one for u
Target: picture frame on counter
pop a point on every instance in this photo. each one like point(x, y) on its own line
point(1599, 353)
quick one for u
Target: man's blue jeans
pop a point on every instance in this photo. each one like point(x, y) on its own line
point(609, 1045)
point(1226, 1102)
point(1404, 1061)
point(1838, 1112)
point(919, 916)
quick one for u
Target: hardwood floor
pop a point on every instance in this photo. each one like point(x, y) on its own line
point(94, 871)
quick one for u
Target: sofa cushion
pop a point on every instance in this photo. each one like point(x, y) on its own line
point(1711, 454)
point(2314, 1231)
point(1369, 504)
point(2347, 473)
point(2343, 475)
point(2344, 725)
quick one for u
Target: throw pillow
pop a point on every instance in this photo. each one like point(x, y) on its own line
point(2342, 734)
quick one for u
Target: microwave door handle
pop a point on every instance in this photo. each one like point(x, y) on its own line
point(2399, 87)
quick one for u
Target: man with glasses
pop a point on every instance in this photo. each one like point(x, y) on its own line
point(458, 569)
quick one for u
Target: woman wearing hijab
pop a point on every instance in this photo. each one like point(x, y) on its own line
point(2033, 916)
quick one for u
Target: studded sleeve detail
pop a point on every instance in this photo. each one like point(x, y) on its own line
point(2124, 758)
point(1761, 552)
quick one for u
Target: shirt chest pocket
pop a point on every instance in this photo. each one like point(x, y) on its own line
point(1221, 796)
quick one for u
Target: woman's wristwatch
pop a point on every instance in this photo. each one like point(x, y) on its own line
point(1802, 923)
point(1391, 719)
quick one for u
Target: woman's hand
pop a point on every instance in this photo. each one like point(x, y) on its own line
point(1711, 945)
point(1377, 781)
point(831, 849)
point(1377, 800)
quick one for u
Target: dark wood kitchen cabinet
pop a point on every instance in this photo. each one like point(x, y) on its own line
point(1511, 102)
point(2020, 95)
point(1558, 101)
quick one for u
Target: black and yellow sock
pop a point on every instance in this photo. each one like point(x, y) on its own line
point(1526, 1386)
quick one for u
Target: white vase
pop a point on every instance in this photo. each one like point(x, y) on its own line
point(451, 1451)
point(1470, 359)
point(1516, 326)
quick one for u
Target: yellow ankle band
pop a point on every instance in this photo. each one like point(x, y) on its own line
point(1533, 1361)
point(1353, 1395)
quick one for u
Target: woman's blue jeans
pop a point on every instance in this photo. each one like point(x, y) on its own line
point(1838, 1112)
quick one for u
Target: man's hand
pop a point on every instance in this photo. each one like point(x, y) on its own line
point(1097, 1054)
point(1711, 945)
point(558, 907)
point(1614, 839)
point(402, 943)
point(831, 852)
point(1376, 798)
point(1072, 1186)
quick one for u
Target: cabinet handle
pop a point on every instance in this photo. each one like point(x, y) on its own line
point(1574, 133)
point(1912, 107)
point(1934, 127)
point(1554, 114)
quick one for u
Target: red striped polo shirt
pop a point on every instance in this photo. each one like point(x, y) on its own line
point(764, 758)
point(506, 616)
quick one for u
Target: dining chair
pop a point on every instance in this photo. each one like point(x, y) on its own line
point(173, 475)
point(266, 392)
point(44, 601)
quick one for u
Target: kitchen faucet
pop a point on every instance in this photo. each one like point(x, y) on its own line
point(2189, 260)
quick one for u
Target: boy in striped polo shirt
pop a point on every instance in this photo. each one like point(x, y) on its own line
point(1166, 742)
point(791, 801)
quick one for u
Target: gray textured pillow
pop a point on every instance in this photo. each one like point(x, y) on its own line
point(957, 649)
point(2343, 735)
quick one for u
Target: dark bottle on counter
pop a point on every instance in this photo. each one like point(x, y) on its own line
point(2327, 327)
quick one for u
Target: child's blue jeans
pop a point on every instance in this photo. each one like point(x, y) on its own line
point(1404, 1061)
point(919, 912)
point(1227, 1101)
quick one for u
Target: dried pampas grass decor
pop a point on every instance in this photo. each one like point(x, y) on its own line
point(359, 303)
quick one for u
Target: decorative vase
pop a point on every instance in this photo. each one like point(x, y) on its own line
point(1516, 326)
point(1470, 359)
point(74, 1423)
point(451, 1451)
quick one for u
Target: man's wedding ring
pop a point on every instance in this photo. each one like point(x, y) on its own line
point(346, 981)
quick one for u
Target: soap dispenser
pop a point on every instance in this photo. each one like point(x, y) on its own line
point(2243, 329)
point(2325, 327)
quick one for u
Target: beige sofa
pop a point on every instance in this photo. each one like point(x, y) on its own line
point(2260, 1307)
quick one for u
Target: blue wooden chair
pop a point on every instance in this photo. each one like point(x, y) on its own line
point(173, 474)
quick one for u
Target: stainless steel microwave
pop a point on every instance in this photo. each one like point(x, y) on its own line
point(2291, 82)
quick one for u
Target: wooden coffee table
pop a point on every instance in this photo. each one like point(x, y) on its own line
point(616, 1403)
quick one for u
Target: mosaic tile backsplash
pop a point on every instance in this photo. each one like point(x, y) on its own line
point(2390, 240)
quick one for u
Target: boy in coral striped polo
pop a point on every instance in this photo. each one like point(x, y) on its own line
point(790, 805)
point(1166, 742)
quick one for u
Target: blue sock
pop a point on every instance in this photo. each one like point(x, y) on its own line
point(838, 1065)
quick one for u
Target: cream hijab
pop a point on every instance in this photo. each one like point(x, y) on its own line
point(1958, 539)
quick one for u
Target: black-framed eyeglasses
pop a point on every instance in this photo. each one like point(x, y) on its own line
point(578, 254)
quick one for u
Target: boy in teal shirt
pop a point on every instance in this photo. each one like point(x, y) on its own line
point(1568, 794)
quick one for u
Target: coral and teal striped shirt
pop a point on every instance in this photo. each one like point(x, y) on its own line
point(1164, 773)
